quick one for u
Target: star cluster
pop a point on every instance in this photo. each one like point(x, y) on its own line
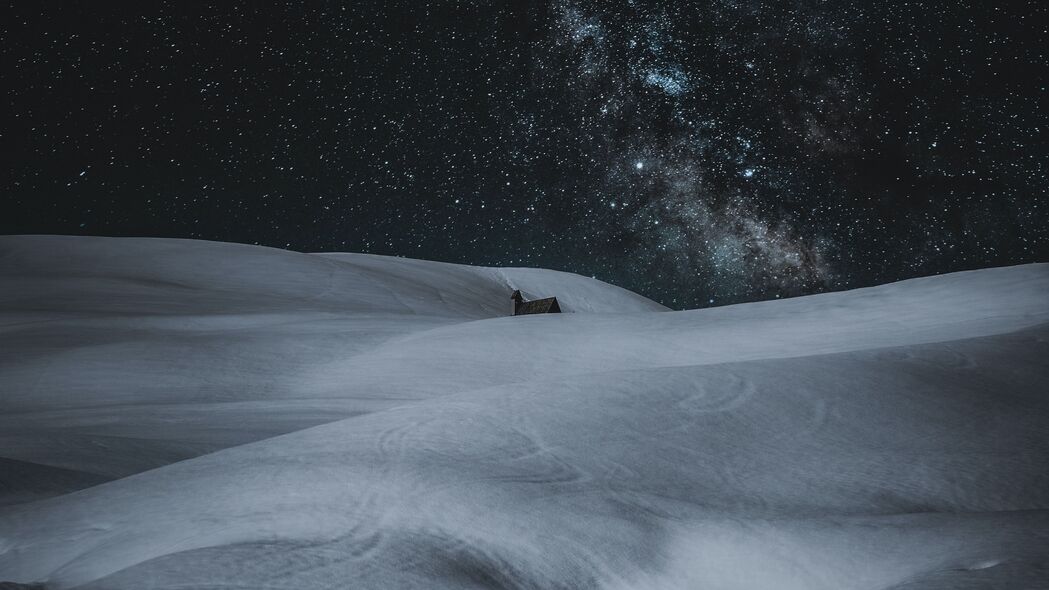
point(700, 153)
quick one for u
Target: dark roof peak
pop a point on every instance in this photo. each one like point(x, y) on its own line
point(548, 305)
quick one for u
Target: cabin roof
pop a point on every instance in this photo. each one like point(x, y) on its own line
point(548, 305)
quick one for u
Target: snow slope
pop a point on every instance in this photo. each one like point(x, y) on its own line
point(121, 355)
point(180, 414)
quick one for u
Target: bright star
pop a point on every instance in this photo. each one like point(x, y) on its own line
point(639, 165)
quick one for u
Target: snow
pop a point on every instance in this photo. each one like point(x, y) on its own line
point(185, 414)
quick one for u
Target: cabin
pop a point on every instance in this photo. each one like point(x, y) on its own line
point(518, 305)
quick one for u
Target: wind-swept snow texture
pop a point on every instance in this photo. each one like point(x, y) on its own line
point(181, 414)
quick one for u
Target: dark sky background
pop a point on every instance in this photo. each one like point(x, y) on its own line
point(699, 153)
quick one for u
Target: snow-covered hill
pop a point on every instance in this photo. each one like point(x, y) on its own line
point(182, 414)
point(121, 355)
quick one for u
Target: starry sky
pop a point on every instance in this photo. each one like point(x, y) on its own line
point(700, 153)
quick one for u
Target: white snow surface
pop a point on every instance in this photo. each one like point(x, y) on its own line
point(188, 414)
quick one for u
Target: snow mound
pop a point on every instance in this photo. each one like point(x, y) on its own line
point(128, 354)
point(263, 418)
point(169, 276)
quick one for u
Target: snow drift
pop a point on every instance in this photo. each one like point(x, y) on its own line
point(181, 414)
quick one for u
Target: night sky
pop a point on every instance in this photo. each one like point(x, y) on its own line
point(700, 153)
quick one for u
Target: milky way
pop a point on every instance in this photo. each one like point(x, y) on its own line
point(700, 153)
point(670, 201)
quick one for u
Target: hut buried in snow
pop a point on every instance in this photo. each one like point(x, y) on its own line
point(519, 306)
